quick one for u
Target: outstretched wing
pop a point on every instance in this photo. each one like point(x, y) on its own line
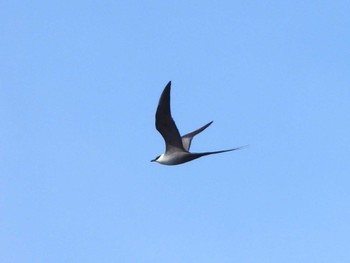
point(187, 139)
point(165, 123)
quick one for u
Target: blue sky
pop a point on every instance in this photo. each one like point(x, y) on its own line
point(79, 86)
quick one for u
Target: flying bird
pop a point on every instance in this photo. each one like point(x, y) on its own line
point(176, 147)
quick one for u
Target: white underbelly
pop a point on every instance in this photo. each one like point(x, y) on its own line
point(173, 158)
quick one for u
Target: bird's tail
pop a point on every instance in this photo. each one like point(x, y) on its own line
point(222, 151)
point(198, 155)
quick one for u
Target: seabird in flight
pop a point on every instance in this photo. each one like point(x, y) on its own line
point(176, 147)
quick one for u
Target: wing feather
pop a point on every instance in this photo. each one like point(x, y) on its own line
point(165, 123)
point(187, 138)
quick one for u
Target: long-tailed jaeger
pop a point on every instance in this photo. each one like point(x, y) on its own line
point(176, 147)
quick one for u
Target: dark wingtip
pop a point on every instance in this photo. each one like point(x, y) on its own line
point(167, 87)
point(166, 93)
point(207, 125)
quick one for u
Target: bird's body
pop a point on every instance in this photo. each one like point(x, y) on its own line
point(173, 158)
point(177, 147)
point(183, 157)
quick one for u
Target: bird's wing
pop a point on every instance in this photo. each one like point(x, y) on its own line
point(187, 139)
point(165, 123)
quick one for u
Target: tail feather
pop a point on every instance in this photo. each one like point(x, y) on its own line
point(198, 155)
point(222, 151)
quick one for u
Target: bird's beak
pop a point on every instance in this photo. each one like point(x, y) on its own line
point(153, 160)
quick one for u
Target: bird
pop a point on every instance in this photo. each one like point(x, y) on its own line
point(176, 147)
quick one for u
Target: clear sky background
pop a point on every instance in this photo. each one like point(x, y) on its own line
point(79, 86)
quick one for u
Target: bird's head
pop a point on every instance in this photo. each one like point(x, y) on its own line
point(155, 159)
